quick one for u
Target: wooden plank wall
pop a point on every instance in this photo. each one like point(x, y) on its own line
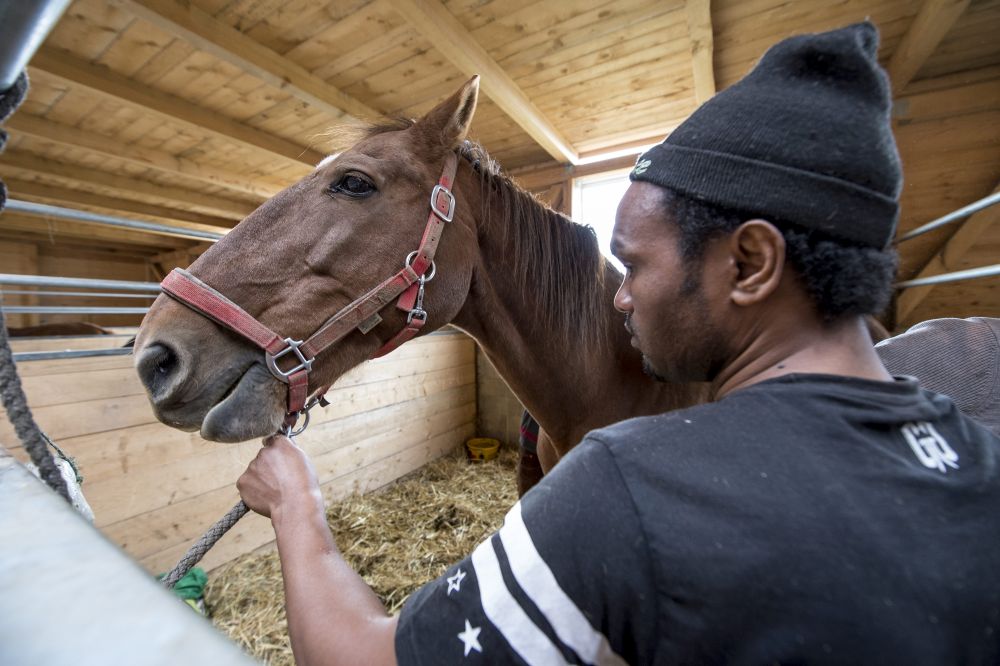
point(63, 260)
point(20, 258)
point(154, 490)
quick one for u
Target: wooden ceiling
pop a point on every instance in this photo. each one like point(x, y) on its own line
point(193, 112)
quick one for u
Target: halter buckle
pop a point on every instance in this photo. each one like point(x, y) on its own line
point(293, 347)
point(449, 212)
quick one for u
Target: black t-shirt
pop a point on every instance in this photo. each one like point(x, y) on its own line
point(805, 519)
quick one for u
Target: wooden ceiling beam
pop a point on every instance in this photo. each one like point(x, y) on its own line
point(205, 32)
point(64, 196)
point(100, 79)
point(449, 37)
point(947, 256)
point(930, 25)
point(699, 20)
point(134, 187)
point(536, 179)
point(100, 144)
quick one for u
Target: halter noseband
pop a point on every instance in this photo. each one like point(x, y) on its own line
point(362, 314)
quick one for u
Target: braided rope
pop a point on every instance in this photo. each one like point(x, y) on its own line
point(204, 544)
point(16, 403)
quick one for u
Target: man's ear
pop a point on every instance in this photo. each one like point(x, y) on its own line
point(757, 249)
point(447, 124)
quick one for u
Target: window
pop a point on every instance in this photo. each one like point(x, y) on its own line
point(595, 201)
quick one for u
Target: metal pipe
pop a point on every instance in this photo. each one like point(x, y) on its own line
point(970, 274)
point(973, 207)
point(85, 283)
point(24, 25)
point(95, 294)
point(58, 309)
point(108, 220)
point(82, 353)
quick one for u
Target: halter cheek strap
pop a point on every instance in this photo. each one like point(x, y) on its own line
point(363, 314)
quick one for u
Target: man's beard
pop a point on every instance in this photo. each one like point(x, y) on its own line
point(647, 367)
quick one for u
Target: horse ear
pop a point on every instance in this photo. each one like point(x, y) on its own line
point(449, 121)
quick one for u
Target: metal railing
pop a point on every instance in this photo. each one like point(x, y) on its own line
point(955, 276)
point(953, 216)
point(84, 283)
point(138, 289)
point(46, 210)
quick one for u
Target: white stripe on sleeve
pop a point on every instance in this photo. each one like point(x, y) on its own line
point(506, 614)
point(538, 582)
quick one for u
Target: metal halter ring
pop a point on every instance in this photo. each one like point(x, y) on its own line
point(426, 278)
point(288, 430)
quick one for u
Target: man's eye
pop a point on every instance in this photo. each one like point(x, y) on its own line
point(353, 185)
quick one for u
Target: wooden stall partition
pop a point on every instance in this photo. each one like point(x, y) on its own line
point(498, 411)
point(20, 258)
point(154, 490)
point(63, 259)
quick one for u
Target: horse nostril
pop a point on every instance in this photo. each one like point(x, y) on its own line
point(156, 365)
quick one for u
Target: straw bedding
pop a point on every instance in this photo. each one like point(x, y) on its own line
point(398, 538)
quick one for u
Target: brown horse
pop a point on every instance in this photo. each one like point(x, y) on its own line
point(527, 283)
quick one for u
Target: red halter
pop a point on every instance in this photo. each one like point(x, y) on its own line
point(362, 314)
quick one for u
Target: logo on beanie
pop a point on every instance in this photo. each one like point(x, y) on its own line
point(640, 168)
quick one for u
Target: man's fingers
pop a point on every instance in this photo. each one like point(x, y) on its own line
point(277, 437)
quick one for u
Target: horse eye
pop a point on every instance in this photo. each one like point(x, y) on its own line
point(353, 185)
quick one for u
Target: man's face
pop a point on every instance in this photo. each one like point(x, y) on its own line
point(667, 307)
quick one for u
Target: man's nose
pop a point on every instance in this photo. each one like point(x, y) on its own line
point(623, 300)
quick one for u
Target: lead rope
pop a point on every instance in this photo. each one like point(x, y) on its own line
point(215, 532)
point(204, 544)
point(16, 403)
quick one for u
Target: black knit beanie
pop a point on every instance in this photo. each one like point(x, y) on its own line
point(804, 138)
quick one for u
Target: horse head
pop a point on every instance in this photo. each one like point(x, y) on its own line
point(303, 259)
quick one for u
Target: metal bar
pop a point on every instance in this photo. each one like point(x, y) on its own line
point(95, 294)
point(973, 207)
point(58, 309)
point(85, 283)
point(81, 353)
point(108, 220)
point(57, 606)
point(23, 27)
point(970, 274)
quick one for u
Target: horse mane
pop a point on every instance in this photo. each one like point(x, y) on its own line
point(555, 257)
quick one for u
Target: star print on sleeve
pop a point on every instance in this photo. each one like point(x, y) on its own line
point(470, 638)
point(455, 582)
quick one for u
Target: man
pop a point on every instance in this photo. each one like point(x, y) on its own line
point(818, 512)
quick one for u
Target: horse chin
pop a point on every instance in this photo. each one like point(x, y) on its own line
point(255, 407)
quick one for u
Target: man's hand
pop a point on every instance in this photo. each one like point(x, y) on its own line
point(280, 480)
point(333, 616)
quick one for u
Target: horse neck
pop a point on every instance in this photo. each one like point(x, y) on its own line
point(573, 369)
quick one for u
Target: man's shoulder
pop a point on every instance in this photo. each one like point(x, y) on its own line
point(681, 424)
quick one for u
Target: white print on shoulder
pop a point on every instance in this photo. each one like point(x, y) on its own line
point(470, 638)
point(931, 448)
point(455, 582)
